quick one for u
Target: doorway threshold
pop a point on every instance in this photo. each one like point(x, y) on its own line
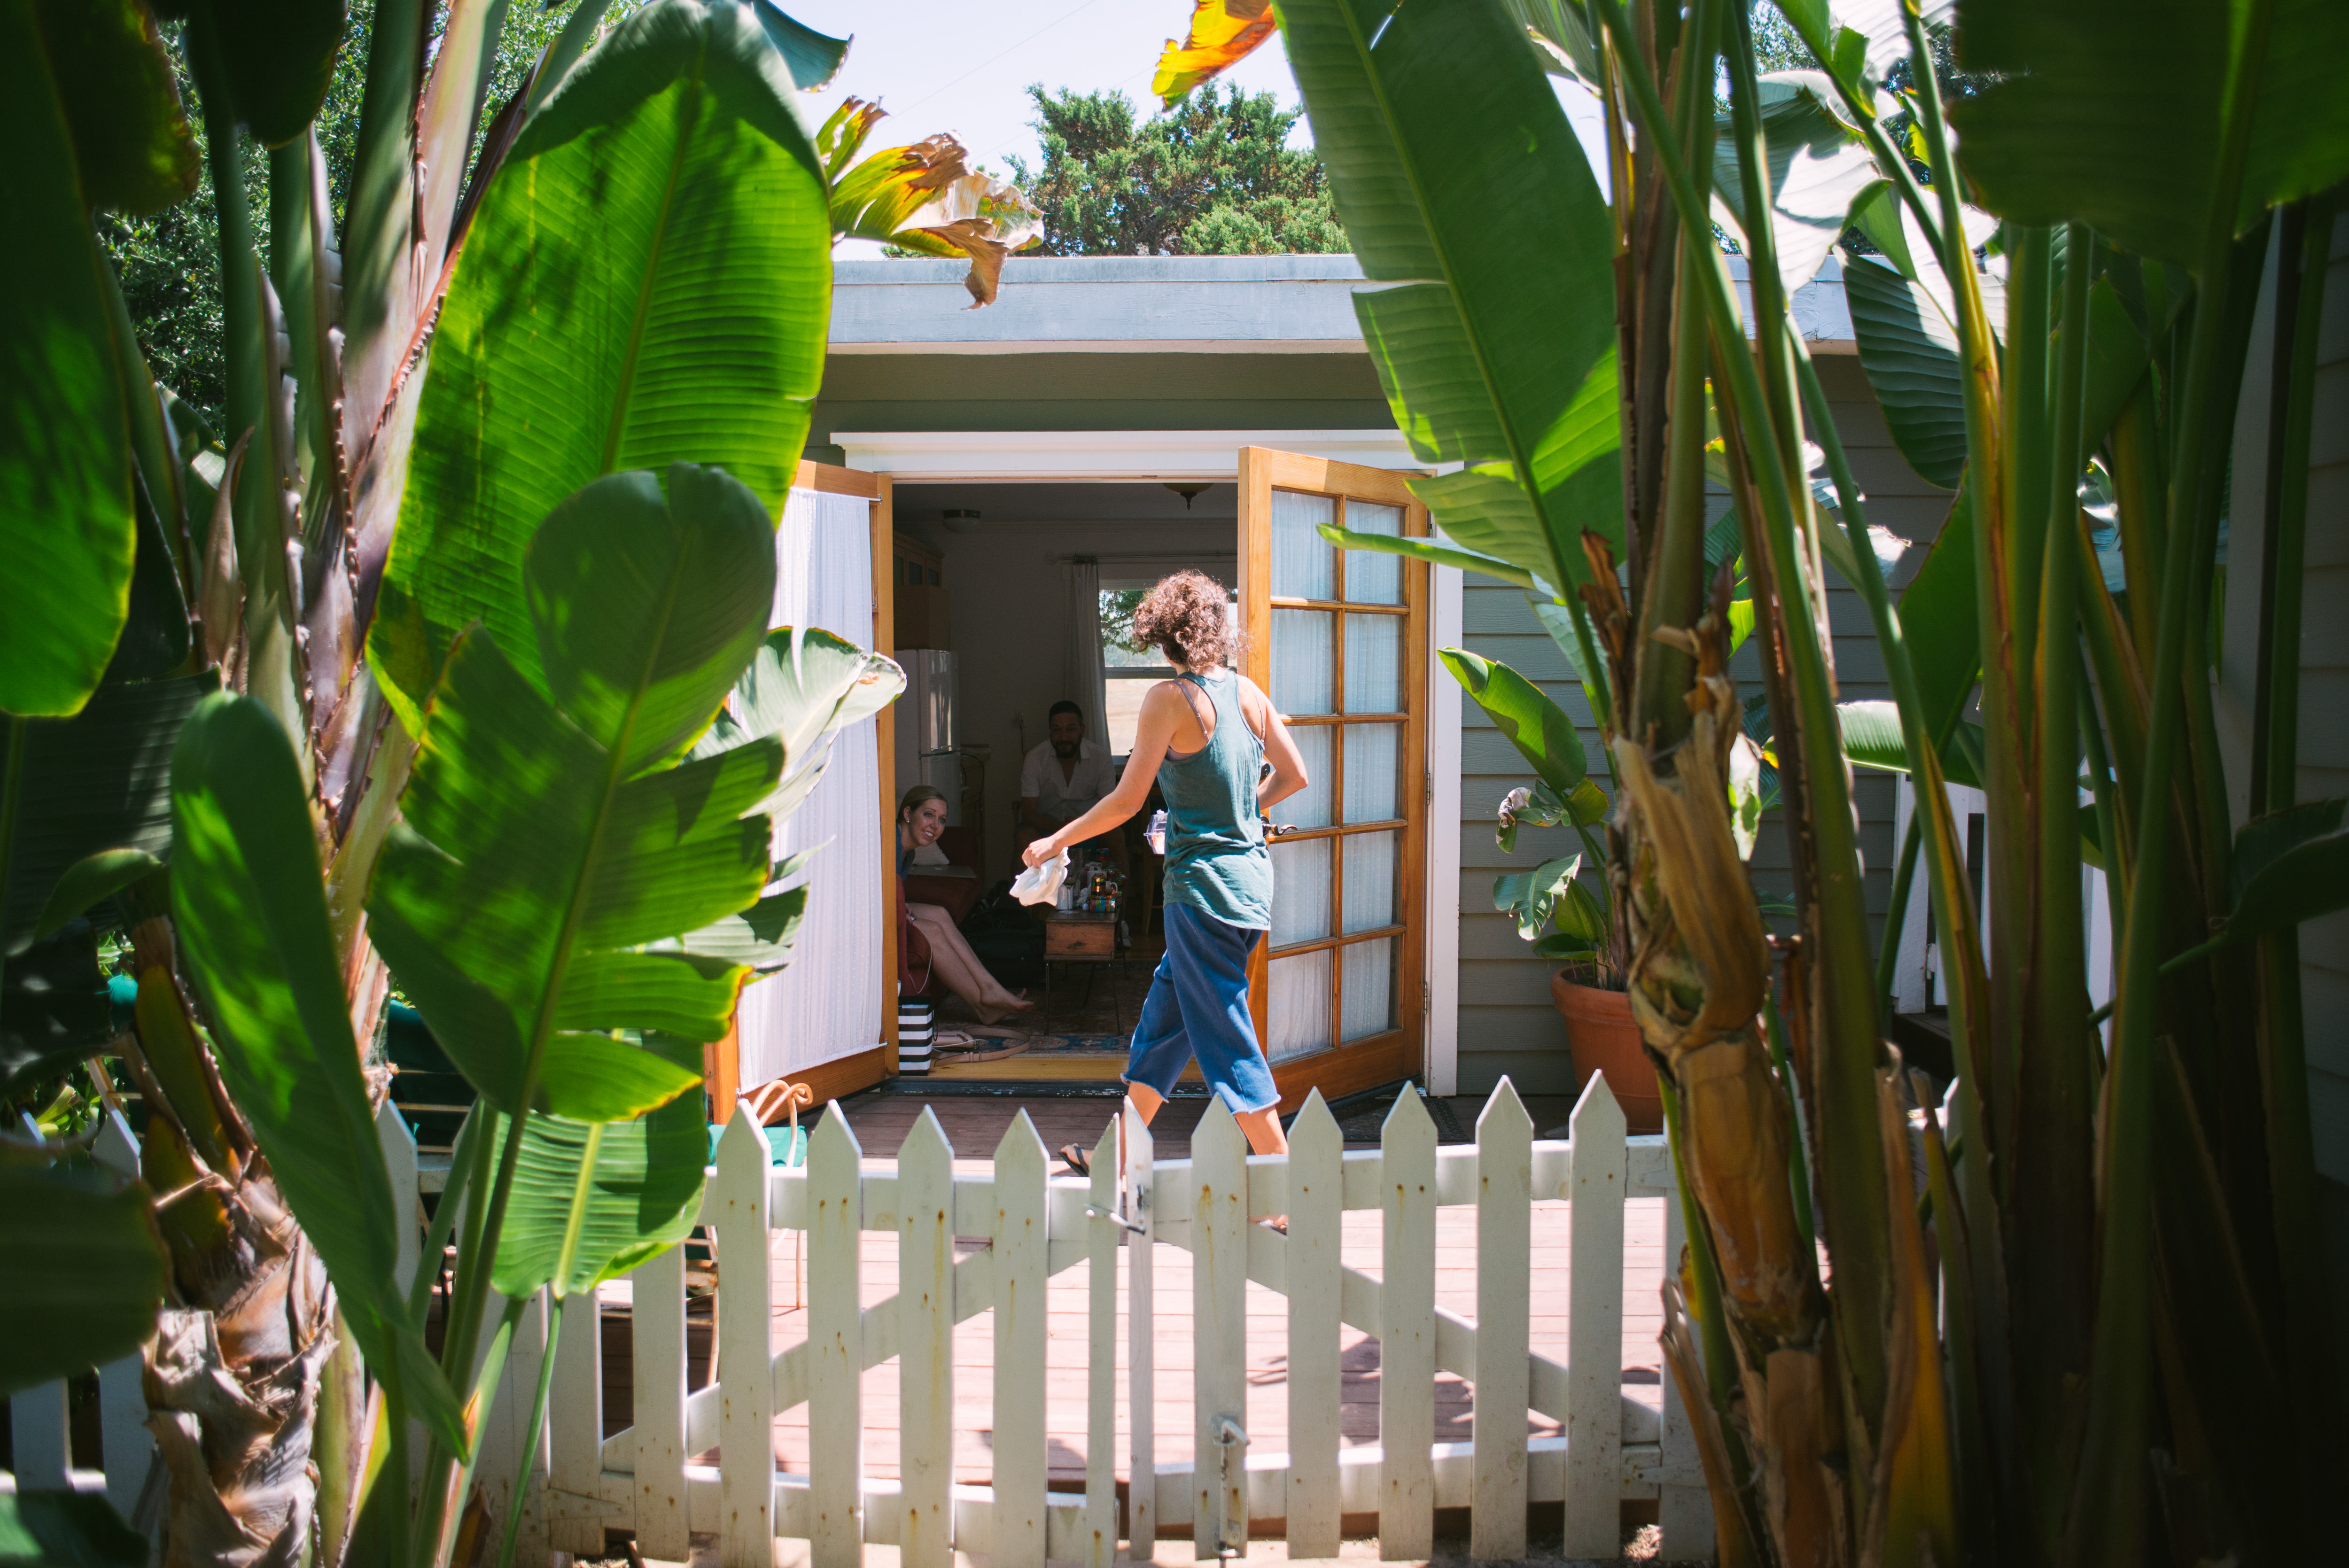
point(935, 1087)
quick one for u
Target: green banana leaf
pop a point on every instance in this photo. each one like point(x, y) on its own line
point(2074, 128)
point(1435, 554)
point(2290, 866)
point(641, 1197)
point(812, 58)
point(249, 905)
point(86, 1270)
point(91, 879)
point(544, 845)
point(1909, 351)
point(1816, 169)
point(802, 686)
point(131, 144)
point(1938, 623)
point(667, 198)
point(67, 527)
point(1542, 807)
point(67, 1529)
point(1532, 899)
point(278, 57)
point(1871, 739)
point(100, 780)
point(1543, 732)
point(54, 1007)
point(1487, 341)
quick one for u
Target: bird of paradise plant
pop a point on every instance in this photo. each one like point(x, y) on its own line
point(2076, 1303)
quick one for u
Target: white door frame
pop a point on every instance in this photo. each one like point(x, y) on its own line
point(1133, 456)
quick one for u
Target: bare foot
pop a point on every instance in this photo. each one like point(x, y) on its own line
point(995, 1011)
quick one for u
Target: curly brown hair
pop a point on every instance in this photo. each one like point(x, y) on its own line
point(1187, 618)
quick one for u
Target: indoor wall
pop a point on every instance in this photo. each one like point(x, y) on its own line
point(1005, 577)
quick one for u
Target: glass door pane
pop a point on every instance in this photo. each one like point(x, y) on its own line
point(1335, 637)
point(1304, 565)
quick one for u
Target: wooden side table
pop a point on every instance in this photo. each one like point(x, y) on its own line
point(1074, 937)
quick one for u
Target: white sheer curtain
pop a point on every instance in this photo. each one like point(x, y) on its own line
point(1080, 664)
point(827, 1003)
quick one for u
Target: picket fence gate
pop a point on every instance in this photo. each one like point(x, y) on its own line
point(644, 1480)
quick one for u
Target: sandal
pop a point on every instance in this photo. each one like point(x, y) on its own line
point(954, 1045)
point(1076, 1159)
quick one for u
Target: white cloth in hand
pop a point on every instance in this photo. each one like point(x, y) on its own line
point(1040, 883)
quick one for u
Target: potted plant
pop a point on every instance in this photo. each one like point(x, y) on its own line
point(1562, 914)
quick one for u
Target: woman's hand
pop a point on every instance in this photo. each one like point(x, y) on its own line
point(1039, 850)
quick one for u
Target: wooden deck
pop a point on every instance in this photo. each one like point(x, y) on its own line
point(974, 1125)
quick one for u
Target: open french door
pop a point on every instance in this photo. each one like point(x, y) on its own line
point(845, 1041)
point(1338, 640)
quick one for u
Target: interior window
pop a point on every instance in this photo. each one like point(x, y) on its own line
point(1128, 667)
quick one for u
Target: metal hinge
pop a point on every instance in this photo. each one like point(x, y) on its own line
point(1427, 788)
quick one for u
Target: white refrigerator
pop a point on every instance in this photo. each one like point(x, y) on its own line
point(925, 727)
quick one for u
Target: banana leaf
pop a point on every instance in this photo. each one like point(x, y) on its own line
point(249, 905)
point(1543, 732)
point(131, 144)
point(641, 1196)
point(67, 1529)
point(88, 1270)
point(100, 780)
point(54, 1007)
point(667, 198)
point(2067, 130)
point(1484, 360)
point(66, 526)
point(546, 843)
point(1816, 169)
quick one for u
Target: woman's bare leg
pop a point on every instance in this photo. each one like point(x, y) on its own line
point(1261, 1127)
point(964, 973)
point(956, 971)
point(1263, 1130)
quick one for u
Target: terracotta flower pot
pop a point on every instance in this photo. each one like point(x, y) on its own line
point(1604, 1039)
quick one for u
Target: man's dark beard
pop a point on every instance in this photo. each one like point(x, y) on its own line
point(1065, 749)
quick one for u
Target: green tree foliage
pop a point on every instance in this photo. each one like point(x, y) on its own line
point(1214, 176)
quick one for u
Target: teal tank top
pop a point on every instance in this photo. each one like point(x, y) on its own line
point(1215, 857)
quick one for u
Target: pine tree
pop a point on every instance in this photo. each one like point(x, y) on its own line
point(1211, 176)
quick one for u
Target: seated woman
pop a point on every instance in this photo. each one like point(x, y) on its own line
point(921, 817)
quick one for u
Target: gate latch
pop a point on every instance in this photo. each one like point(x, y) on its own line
point(1231, 1503)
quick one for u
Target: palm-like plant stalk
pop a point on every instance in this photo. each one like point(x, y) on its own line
point(2064, 1300)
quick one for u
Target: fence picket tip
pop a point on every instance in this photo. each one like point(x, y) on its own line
point(1408, 1111)
point(1504, 1108)
point(1596, 1111)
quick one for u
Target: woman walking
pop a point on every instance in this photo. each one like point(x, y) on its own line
point(1205, 736)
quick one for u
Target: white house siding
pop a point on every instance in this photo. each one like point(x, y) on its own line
point(2324, 770)
point(1507, 1025)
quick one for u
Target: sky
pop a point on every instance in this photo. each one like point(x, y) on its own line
point(934, 69)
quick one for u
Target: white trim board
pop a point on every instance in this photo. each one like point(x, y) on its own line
point(1447, 613)
point(1107, 345)
point(1083, 456)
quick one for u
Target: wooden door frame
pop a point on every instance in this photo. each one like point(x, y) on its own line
point(1403, 1053)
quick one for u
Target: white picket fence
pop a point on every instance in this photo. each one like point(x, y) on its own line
point(646, 1480)
point(643, 1480)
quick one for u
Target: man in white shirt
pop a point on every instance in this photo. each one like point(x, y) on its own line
point(1063, 778)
